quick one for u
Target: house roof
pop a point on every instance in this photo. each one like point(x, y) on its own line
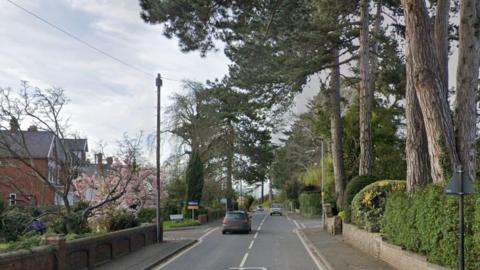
point(35, 144)
point(76, 144)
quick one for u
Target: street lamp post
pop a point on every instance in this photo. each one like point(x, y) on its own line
point(323, 192)
point(158, 83)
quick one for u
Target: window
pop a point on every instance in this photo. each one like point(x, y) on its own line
point(12, 199)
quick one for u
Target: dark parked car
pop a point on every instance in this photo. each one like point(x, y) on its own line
point(237, 221)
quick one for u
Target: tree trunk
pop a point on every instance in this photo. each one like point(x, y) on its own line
point(418, 172)
point(337, 131)
point(366, 97)
point(467, 84)
point(441, 40)
point(230, 157)
point(429, 88)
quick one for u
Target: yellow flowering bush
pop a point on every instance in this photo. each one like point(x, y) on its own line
point(368, 205)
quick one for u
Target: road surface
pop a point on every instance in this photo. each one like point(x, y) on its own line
point(272, 245)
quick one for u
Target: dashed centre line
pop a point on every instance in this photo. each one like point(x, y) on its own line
point(244, 260)
point(251, 244)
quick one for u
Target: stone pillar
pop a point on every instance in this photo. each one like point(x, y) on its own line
point(58, 242)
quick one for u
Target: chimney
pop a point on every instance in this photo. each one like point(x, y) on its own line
point(32, 128)
point(99, 163)
point(14, 126)
point(109, 161)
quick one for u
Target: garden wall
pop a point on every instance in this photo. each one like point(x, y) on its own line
point(83, 253)
point(372, 244)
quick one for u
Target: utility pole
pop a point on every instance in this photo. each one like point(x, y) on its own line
point(158, 83)
point(323, 192)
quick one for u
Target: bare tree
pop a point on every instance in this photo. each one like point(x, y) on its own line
point(43, 108)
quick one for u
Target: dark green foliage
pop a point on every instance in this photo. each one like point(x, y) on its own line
point(310, 203)
point(147, 215)
point(27, 241)
point(2, 206)
point(14, 223)
point(426, 221)
point(122, 219)
point(354, 186)
point(368, 205)
point(194, 178)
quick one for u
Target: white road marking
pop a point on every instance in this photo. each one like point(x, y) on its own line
point(248, 268)
point(317, 263)
point(251, 244)
point(296, 224)
point(199, 241)
point(255, 236)
point(244, 260)
point(303, 225)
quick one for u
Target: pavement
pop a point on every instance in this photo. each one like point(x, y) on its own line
point(332, 252)
point(148, 257)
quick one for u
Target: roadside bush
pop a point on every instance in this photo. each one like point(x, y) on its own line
point(426, 221)
point(27, 241)
point(121, 219)
point(310, 203)
point(147, 215)
point(368, 205)
point(14, 223)
point(355, 185)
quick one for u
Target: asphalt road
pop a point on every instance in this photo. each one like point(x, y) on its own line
point(273, 244)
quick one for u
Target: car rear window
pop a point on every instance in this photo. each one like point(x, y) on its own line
point(235, 216)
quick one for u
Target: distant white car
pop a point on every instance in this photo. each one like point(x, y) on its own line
point(259, 208)
point(276, 209)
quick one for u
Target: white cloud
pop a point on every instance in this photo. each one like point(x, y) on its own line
point(107, 98)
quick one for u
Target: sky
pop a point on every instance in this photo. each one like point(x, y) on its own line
point(107, 98)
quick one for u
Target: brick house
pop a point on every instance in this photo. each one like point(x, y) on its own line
point(30, 158)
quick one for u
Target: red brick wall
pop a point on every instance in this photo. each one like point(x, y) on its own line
point(20, 177)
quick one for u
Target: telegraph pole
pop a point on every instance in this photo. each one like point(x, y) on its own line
point(158, 83)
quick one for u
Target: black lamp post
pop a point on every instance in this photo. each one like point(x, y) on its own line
point(460, 185)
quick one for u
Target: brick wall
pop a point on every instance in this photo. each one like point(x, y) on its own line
point(38, 258)
point(373, 244)
point(83, 253)
point(18, 178)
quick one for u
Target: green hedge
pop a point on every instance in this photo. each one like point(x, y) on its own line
point(353, 187)
point(368, 205)
point(426, 222)
point(310, 203)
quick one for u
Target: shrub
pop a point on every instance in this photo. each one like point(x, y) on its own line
point(368, 205)
point(354, 186)
point(121, 219)
point(310, 203)
point(426, 221)
point(27, 241)
point(14, 223)
point(147, 215)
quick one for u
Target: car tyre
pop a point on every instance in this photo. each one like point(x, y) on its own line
point(223, 232)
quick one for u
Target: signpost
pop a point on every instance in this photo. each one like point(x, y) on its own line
point(460, 186)
point(193, 205)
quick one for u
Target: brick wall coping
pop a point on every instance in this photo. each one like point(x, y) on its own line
point(25, 253)
point(95, 239)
